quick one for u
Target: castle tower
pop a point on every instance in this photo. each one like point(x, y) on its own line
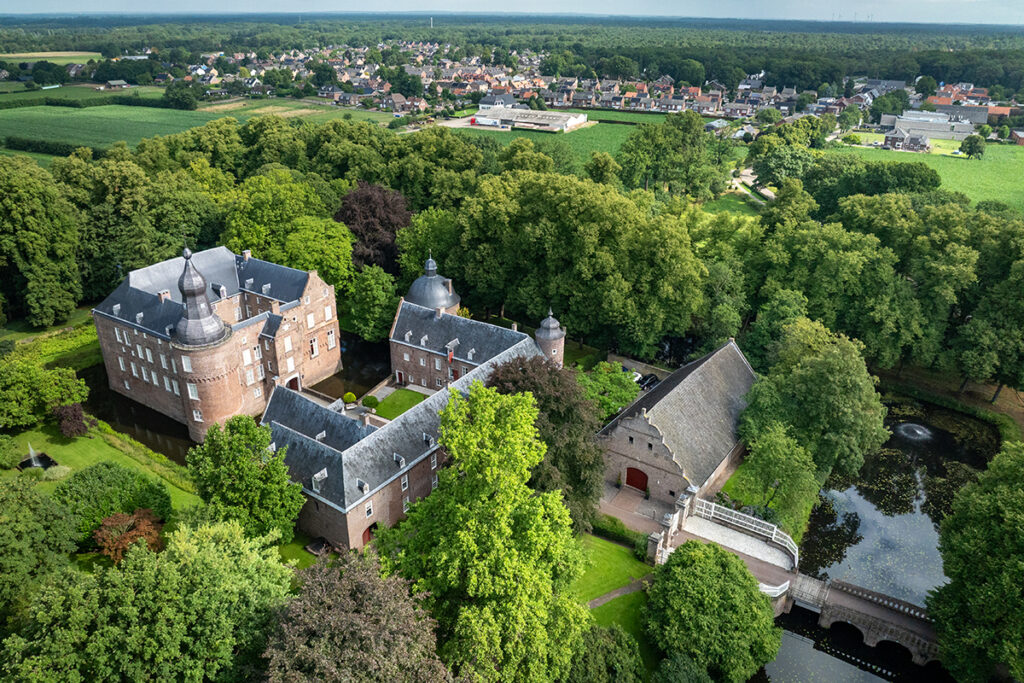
point(433, 291)
point(198, 325)
point(550, 337)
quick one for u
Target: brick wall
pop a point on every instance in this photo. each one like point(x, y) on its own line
point(424, 368)
point(664, 477)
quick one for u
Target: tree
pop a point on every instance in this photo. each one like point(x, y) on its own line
point(781, 467)
point(786, 161)
point(119, 532)
point(608, 655)
point(71, 420)
point(926, 86)
point(979, 616)
point(609, 387)
point(36, 536)
point(769, 116)
point(29, 394)
point(849, 118)
point(10, 454)
point(706, 605)
point(973, 146)
point(1004, 132)
point(373, 303)
point(199, 610)
point(521, 155)
point(262, 216)
point(678, 668)
point(494, 560)
point(348, 623)
point(820, 389)
point(674, 155)
point(374, 214)
point(984, 130)
point(182, 95)
point(566, 422)
point(104, 489)
point(241, 479)
point(38, 236)
point(804, 99)
point(332, 257)
point(602, 168)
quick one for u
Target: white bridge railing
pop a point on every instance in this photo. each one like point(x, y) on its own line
point(773, 591)
point(744, 522)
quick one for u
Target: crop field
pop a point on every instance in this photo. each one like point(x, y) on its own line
point(602, 137)
point(630, 116)
point(996, 176)
point(315, 111)
point(76, 92)
point(53, 57)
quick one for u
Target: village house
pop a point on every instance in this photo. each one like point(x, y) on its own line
point(908, 142)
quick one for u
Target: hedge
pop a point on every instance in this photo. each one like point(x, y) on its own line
point(101, 101)
point(614, 530)
point(157, 463)
point(61, 149)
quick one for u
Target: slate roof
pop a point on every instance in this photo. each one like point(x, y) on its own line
point(696, 409)
point(225, 273)
point(370, 458)
point(484, 339)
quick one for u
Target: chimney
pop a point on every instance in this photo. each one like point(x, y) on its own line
point(438, 312)
point(365, 418)
point(448, 282)
point(164, 295)
point(515, 327)
point(246, 254)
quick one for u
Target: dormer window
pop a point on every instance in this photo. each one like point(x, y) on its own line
point(138, 318)
point(322, 435)
point(318, 479)
point(423, 340)
point(272, 447)
point(362, 486)
point(469, 355)
point(400, 460)
point(117, 309)
point(266, 288)
point(248, 283)
point(408, 336)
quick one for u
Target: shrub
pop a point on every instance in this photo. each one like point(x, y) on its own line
point(10, 454)
point(105, 489)
point(118, 533)
point(851, 139)
point(32, 473)
point(613, 529)
point(55, 473)
point(349, 397)
point(371, 402)
point(71, 420)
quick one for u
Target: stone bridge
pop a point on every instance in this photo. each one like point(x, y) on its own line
point(773, 559)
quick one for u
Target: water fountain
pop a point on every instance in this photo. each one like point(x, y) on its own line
point(34, 459)
point(913, 432)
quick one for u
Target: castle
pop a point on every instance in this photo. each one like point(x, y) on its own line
point(207, 336)
point(358, 476)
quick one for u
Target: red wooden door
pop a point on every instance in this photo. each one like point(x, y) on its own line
point(636, 478)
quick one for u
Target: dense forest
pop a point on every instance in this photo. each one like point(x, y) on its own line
point(799, 54)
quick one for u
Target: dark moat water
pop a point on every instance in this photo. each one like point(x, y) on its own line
point(880, 531)
point(364, 365)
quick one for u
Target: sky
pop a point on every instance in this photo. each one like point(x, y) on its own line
point(923, 11)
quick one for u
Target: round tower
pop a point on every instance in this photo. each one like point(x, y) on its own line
point(550, 337)
point(433, 291)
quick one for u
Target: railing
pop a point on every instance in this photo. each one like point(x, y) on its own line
point(773, 591)
point(886, 601)
point(717, 513)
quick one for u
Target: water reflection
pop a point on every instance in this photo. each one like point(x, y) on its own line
point(364, 365)
point(147, 426)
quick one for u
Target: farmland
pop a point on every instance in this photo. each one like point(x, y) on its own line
point(601, 137)
point(73, 92)
point(996, 176)
point(53, 57)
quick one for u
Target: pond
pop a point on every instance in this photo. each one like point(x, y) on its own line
point(364, 365)
point(147, 426)
point(880, 530)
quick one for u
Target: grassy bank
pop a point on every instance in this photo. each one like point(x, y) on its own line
point(743, 488)
point(627, 612)
point(70, 347)
point(608, 566)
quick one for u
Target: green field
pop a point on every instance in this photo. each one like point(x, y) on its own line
point(397, 402)
point(996, 176)
point(77, 92)
point(602, 137)
point(731, 202)
point(52, 57)
point(611, 115)
point(311, 110)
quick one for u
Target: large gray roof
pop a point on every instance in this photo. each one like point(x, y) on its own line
point(225, 273)
point(484, 339)
point(432, 290)
point(696, 409)
point(371, 459)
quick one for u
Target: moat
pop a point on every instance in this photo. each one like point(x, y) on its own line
point(879, 530)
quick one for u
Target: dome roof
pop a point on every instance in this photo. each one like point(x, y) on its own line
point(198, 325)
point(431, 290)
point(550, 329)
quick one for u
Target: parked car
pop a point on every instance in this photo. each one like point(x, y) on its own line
point(649, 381)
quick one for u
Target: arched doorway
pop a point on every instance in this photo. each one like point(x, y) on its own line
point(293, 384)
point(368, 533)
point(636, 478)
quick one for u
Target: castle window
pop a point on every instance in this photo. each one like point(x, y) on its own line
point(175, 386)
point(437, 363)
point(327, 312)
point(290, 364)
point(423, 362)
point(117, 333)
point(287, 344)
point(149, 355)
point(405, 482)
point(127, 386)
point(163, 361)
point(156, 379)
point(249, 377)
point(433, 461)
point(405, 357)
point(257, 352)
point(325, 292)
point(405, 504)
point(450, 374)
point(246, 356)
point(423, 381)
point(314, 348)
point(145, 375)
point(138, 351)
point(369, 508)
point(174, 365)
point(631, 441)
point(135, 372)
point(257, 392)
point(331, 340)
point(305, 299)
point(433, 481)
point(438, 381)
point(193, 391)
point(238, 313)
point(167, 384)
point(197, 415)
point(260, 372)
point(650, 446)
point(464, 370)
point(186, 364)
point(120, 362)
point(310, 319)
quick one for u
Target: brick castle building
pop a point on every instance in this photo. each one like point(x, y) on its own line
point(207, 336)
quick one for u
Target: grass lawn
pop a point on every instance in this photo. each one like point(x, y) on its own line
point(626, 612)
point(80, 92)
point(83, 451)
point(731, 202)
point(609, 115)
point(609, 566)
point(995, 176)
point(792, 519)
point(317, 110)
point(52, 57)
point(296, 550)
point(17, 330)
point(602, 137)
point(398, 402)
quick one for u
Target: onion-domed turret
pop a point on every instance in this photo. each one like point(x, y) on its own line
point(431, 290)
point(550, 338)
point(198, 325)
